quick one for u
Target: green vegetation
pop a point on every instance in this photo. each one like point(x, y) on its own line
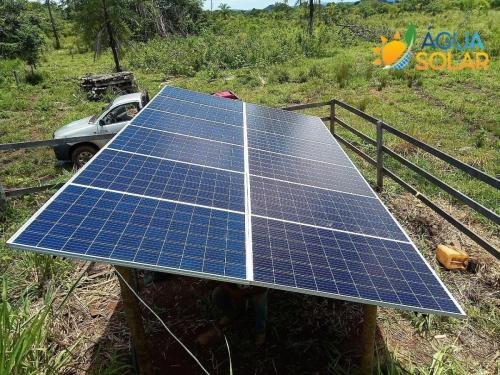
point(266, 57)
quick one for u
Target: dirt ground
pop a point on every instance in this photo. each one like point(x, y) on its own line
point(306, 334)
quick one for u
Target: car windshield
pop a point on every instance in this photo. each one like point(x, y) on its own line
point(104, 110)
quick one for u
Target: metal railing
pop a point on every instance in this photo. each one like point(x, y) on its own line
point(13, 192)
point(378, 162)
point(382, 171)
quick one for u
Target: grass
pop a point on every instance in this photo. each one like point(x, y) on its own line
point(26, 346)
point(456, 112)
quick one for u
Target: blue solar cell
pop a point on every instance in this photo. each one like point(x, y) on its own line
point(179, 147)
point(290, 255)
point(282, 115)
point(143, 231)
point(324, 208)
point(328, 153)
point(205, 99)
point(165, 179)
point(314, 132)
point(307, 172)
point(174, 106)
point(181, 124)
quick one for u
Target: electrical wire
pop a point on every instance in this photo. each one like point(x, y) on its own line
point(162, 322)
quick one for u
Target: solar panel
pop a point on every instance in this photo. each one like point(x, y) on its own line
point(290, 146)
point(307, 172)
point(189, 126)
point(226, 190)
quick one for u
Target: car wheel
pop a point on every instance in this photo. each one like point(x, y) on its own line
point(82, 154)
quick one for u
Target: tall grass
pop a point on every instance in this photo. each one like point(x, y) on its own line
point(25, 341)
point(24, 344)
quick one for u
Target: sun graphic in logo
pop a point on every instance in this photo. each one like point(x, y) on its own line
point(395, 54)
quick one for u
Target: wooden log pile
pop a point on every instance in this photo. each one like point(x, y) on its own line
point(96, 86)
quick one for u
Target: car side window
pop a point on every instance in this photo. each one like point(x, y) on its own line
point(124, 112)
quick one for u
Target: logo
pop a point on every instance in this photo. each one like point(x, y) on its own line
point(444, 51)
point(396, 54)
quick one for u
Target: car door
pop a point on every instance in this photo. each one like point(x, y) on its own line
point(117, 117)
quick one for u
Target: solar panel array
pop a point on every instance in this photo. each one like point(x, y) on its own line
point(221, 189)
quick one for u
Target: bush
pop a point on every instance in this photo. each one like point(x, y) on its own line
point(315, 71)
point(301, 77)
point(249, 78)
point(342, 71)
point(279, 75)
point(33, 78)
point(188, 55)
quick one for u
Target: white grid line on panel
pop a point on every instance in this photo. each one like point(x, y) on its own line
point(186, 135)
point(202, 104)
point(248, 207)
point(196, 118)
point(174, 160)
point(312, 186)
point(157, 198)
point(332, 229)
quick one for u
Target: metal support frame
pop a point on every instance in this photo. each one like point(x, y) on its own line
point(134, 320)
point(368, 339)
point(380, 157)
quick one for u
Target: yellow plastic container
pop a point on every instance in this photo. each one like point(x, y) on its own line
point(451, 258)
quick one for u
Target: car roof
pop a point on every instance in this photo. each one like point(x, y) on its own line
point(134, 97)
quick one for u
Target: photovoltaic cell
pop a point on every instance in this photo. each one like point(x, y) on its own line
point(238, 192)
point(165, 179)
point(204, 99)
point(307, 172)
point(179, 147)
point(314, 133)
point(323, 208)
point(355, 267)
point(186, 125)
point(282, 115)
point(196, 110)
point(90, 223)
point(293, 147)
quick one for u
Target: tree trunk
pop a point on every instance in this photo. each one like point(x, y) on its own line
point(54, 29)
point(112, 41)
point(311, 17)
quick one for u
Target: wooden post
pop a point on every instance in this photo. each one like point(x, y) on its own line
point(332, 117)
point(380, 157)
point(368, 338)
point(3, 199)
point(134, 320)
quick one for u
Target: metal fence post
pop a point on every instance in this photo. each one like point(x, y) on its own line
point(332, 117)
point(380, 157)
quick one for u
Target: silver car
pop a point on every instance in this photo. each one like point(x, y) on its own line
point(111, 120)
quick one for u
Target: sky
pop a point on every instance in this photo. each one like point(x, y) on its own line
point(242, 4)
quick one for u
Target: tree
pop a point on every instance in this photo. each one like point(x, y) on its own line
point(224, 9)
point(53, 24)
point(311, 17)
point(111, 36)
point(104, 23)
point(20, 34)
